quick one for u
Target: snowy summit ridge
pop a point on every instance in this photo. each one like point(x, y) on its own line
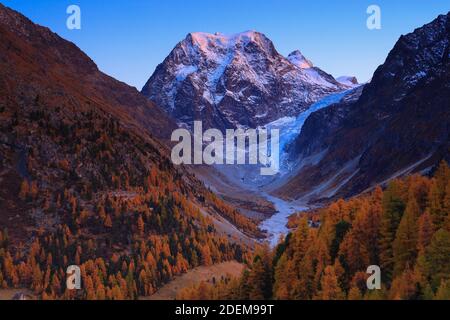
point(237, 80)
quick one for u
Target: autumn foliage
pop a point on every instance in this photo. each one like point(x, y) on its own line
point(405, 229)
point(104, 197)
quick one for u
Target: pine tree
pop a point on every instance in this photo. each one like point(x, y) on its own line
point(340, 230)
point(353, 254)
point(447, 206)
point(329, 284)
point(260, 276)
point(281, 287)
point(428, 293)
point(372, 226)
point(425, 231)
point(244, 286)
point(354, 294)
point(438, 258)
point(437, 194)
point(256, 280)
point(299, 241)
point(37, 279)
point(403, 286)
point(108, 222)
point(206, 256)
point(140, 225)
point(405, 243)
point(443, 292)
point(24, 190)
point(393, 207)
point(4, 238)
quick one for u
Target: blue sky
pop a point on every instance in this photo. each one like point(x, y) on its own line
point(129, 38)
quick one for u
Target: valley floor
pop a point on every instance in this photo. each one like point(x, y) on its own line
point(10, 294)
point(271, 212)
point(195, 276)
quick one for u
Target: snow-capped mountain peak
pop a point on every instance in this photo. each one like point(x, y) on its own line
point(237, 80)
point(298, 59)
point(348, 81)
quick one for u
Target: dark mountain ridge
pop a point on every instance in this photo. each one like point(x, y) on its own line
point(40, 53)
point(399, 124)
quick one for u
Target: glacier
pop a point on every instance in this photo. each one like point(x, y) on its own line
point(290, 127)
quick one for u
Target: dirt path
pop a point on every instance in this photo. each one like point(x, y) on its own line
point(195, 276)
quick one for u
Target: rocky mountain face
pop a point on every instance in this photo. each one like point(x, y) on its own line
point(235, 81)
point(398, 125)
point(59, 63)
